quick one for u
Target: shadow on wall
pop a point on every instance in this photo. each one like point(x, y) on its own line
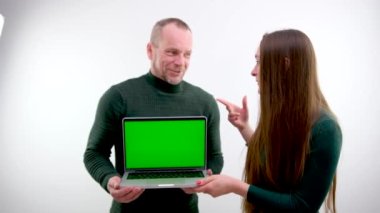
point(1, 24)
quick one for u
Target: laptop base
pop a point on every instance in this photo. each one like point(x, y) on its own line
point(161, 182)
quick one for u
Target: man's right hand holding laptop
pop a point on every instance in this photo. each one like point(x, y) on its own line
point(123, 194)
point(129, 194)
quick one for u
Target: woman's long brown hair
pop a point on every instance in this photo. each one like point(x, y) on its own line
point(290, 102)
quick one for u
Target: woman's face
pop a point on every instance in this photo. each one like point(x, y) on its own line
point(256, 69)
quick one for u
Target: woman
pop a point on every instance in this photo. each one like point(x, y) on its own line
point(294, 151)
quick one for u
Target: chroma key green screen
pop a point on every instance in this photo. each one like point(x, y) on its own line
point(164, 143)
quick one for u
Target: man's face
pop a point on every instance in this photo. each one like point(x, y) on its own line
point(170, 57)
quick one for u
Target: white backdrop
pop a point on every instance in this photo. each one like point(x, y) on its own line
point(58, 57)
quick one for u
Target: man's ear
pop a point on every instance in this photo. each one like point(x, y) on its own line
point(149, 50)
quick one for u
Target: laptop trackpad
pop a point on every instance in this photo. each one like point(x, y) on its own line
point(166, 181)
point(170, 183)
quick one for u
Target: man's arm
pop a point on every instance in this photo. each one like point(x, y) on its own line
point(214, 152)
point(102, 138)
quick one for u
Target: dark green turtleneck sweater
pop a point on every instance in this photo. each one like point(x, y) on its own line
point(149, 96)
point(320, 168)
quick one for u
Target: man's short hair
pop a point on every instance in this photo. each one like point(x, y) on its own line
point(157, 28)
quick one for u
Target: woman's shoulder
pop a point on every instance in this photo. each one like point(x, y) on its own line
point(326, 121)
point(326, 131)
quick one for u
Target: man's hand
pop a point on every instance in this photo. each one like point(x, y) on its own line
point(122, 194)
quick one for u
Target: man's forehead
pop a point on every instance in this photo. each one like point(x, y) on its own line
point(179, 40)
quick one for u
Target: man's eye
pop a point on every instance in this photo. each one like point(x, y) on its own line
point(171, 53)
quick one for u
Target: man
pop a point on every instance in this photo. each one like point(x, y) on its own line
point(160, 92)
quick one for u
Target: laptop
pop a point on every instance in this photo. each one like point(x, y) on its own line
point(164, 152)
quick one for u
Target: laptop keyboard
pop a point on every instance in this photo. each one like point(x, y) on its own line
point(156, 175)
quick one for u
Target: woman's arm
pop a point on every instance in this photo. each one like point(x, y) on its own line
point(319, 172)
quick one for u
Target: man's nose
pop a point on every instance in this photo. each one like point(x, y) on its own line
point(180, 59)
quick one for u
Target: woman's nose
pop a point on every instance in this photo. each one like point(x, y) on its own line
point(254, 72)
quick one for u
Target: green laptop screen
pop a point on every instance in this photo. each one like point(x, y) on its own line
point(164, 143)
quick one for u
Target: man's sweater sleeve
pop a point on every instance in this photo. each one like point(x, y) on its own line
point(215, 157)
point(102, 138)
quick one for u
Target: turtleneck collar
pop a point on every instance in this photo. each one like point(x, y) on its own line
point(163, 85)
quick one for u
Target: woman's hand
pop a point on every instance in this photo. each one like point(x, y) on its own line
point(217, 185)
point(239, 117)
